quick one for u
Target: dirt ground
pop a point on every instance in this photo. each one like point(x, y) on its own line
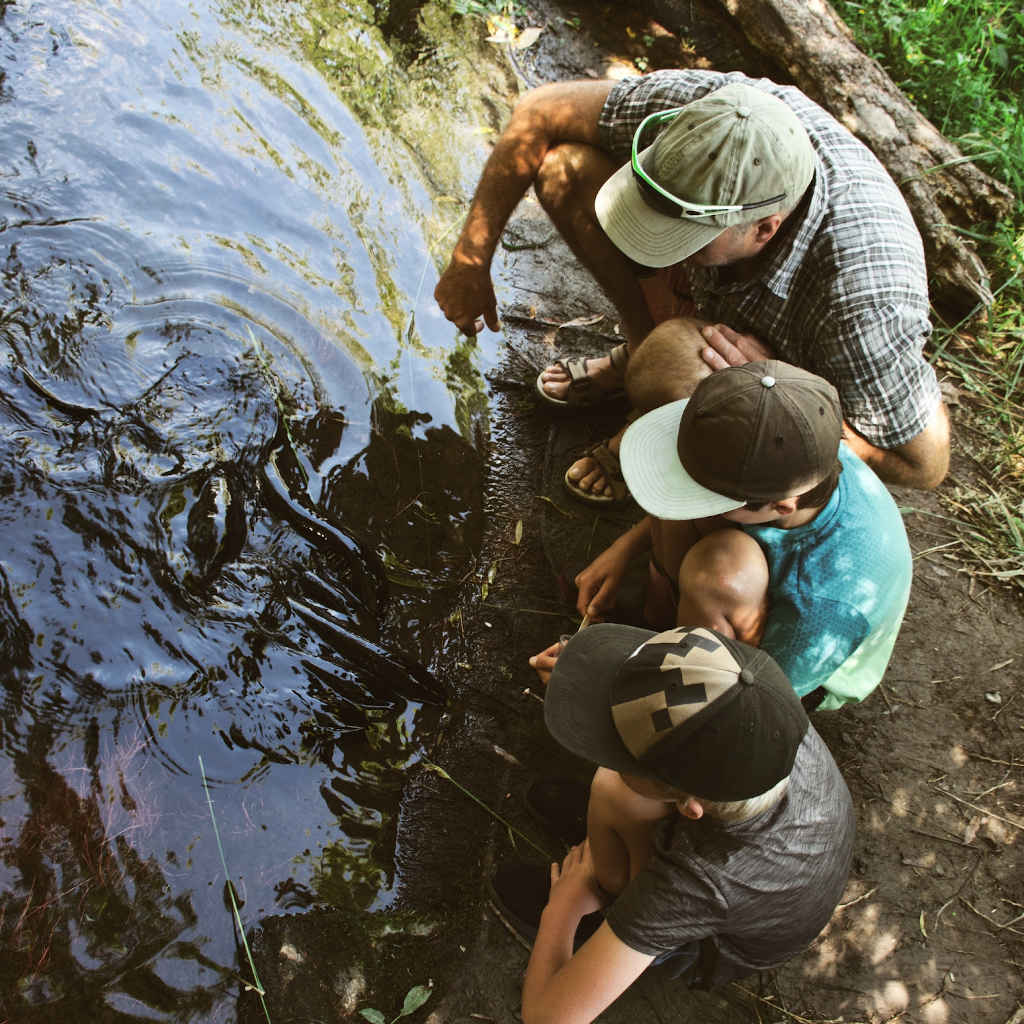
point(931, 926)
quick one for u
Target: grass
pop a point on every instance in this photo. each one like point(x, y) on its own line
point(962, 65)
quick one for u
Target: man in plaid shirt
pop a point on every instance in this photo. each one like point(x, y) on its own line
point(740, 200)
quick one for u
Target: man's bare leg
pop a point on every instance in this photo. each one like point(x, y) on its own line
point(567, 184)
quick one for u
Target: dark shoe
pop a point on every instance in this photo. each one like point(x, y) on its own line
point(519, 894)
point(560, 806)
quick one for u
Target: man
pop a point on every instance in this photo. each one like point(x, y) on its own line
point(746, 198)
point(761, 525)
point(719, 829)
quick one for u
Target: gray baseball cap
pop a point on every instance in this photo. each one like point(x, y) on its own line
point(738, 146)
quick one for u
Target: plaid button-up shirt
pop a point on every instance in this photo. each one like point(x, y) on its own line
point(845, 294)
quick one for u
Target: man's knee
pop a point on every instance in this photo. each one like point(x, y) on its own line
point(570, 175)
point(723, 583)
point(667, 365)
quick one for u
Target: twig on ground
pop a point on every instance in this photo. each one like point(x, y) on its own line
point(945, 839)
point(994, 760)
point(992, 789)
point(995, 924)
point(966, 882)
point(902, 700)
point(493, 813)
point(526, 611)
point(885, 697)
point(557, 508)
point(976, 807)
point(862, 896)
point(781, 1009)
point(1004, 707)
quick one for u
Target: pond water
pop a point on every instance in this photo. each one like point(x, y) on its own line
point(240, 478)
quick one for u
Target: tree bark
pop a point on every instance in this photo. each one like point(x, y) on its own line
point(942, 187)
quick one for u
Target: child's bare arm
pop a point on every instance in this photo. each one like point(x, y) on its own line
point(562, 988)
point(599, 582)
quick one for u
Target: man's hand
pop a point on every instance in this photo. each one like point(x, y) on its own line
point(466, 297)
point(727, 347)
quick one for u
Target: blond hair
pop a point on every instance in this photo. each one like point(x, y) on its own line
point(730, 811)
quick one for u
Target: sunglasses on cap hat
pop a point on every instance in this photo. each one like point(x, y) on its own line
point(662, 201)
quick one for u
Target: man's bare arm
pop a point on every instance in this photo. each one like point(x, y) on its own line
point(922, 462)
point(543, 118)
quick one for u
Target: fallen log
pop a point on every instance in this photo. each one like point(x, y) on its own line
point(943, 188)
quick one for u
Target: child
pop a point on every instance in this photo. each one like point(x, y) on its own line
point(719, 829)
point(761, 524)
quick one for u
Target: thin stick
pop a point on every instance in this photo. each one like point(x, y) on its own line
point(862, 896)
point(494, 814)
point(945, 839)
point(793, 1016)
point(1018, 1014)
point(995, 924)
point(994, 760)
point(231, 892)
point(982, 810)
point(1004, 707)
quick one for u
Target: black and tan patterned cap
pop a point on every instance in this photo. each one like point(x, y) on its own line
point(689, 707)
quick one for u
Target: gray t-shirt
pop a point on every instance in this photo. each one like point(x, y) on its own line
point(757, 892)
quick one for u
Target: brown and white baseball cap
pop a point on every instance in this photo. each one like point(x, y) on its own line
point(689, 707)
point(762, 431)
point(737, 145)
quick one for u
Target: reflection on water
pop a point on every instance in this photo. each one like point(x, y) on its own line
point(239, 481)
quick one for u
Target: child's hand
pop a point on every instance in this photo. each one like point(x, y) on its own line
point(576, 881)
point(544, 662)
point(599, 582)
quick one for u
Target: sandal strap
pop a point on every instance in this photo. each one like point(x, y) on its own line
point(619, 355)
point(576, 368)
point(610, 467)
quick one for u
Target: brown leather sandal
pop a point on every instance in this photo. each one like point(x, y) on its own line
point(583, 392)
point(608, 462)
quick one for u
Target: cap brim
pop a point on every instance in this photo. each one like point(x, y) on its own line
point(644, 235)
point(577, 703)
point(656, 478)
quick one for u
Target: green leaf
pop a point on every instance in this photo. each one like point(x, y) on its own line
point(373, 1016)
point(519, 532)
point(415, 998)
